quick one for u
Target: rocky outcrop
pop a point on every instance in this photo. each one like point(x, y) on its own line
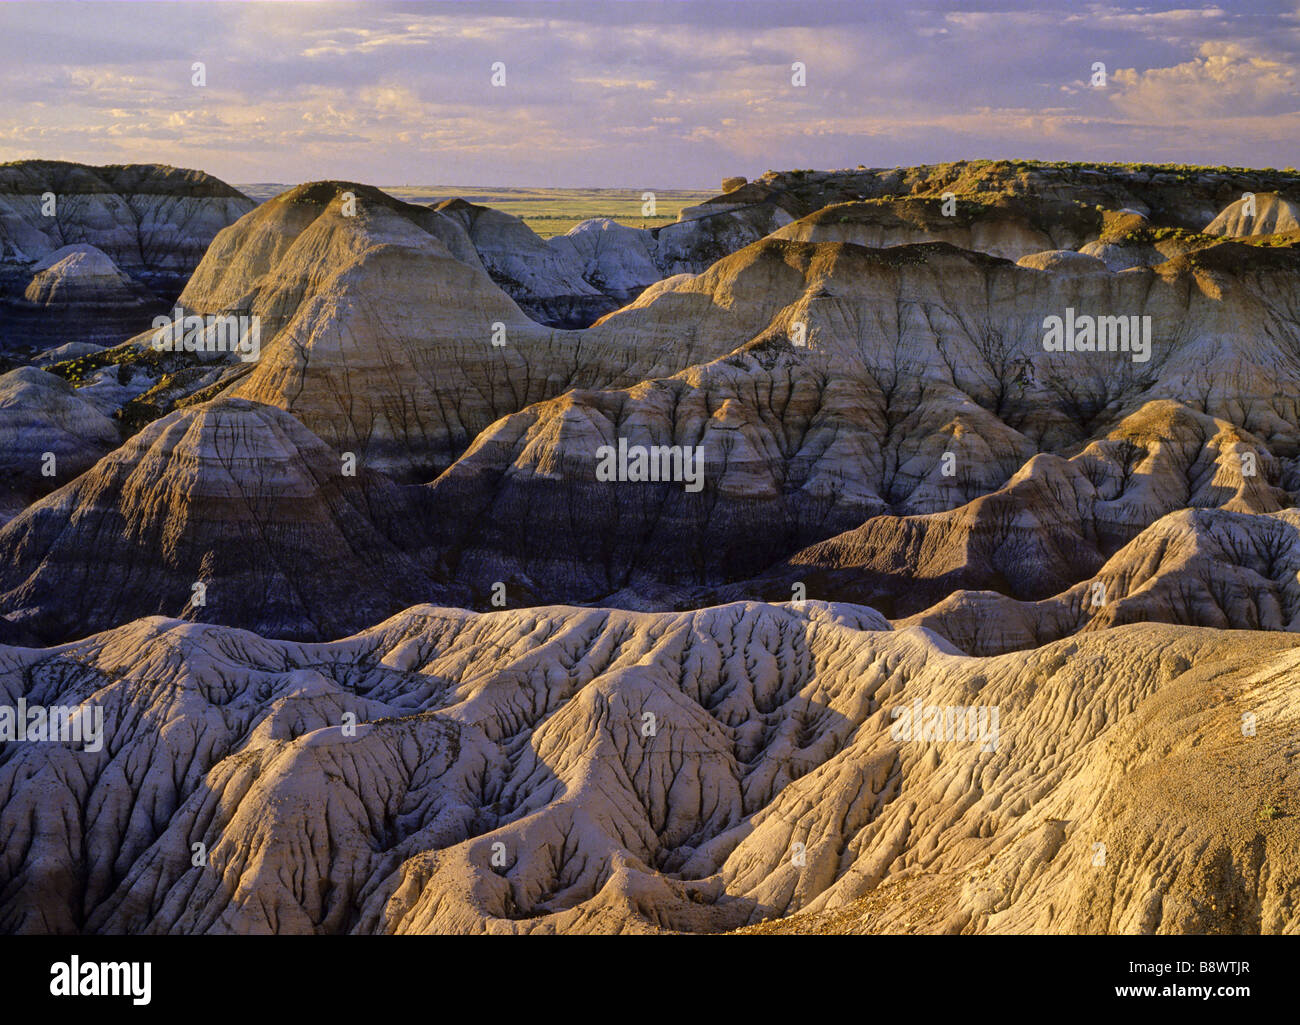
point(1220, 323)
point(1006, 229)
point(1147, 247)
point(1063, 261)
point(251, 254)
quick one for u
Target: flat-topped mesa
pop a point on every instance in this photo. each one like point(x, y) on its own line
point(1005, 208)
point(153, 221)
point(134, 232)
point(1007, 227)
point(1170, 195)
point(228, 511)
point(35, 176)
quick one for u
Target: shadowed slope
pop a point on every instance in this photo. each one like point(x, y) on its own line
point(230, 495)
point(48, 435)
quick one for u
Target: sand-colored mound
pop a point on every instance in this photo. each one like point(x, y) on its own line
point(582, 770)
point(1053, 524)
point(546, 281)
point(1064, 261)
point(386, 343)
point(1265, 214)
point(616, 259)
point(376, 330)
point(78, 274)
point(78, 292)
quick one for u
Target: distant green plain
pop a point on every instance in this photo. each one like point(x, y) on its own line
point(547, 211)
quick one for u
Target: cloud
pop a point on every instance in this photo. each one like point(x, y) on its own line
point(1225, 80)
point(634, 93)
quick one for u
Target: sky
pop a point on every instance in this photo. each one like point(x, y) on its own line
point(642, 94)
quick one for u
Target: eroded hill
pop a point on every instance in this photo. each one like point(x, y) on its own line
point(580, 770)
point(827, 594)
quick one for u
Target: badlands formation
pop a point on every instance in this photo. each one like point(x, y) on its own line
point(90, 254)
point(408, 613)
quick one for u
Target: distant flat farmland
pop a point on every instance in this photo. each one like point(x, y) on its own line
point(547, 211)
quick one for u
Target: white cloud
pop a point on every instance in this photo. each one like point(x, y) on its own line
point(1224, 80)
point(304, 90)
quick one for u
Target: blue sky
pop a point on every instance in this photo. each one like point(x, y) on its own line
point(642, 94)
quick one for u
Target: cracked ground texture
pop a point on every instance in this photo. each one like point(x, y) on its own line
point(581, 770)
